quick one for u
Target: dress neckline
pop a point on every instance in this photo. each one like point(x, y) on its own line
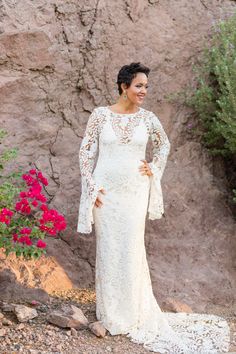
point(123, 114)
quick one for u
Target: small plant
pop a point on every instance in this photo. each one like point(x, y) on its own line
point(214, 97)
point(25, 218)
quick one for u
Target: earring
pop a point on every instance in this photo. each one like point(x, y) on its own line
point(125, 96)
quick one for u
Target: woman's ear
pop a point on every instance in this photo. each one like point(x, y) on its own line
point(123, 86)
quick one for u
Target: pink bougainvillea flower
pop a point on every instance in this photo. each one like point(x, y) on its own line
point(28, 241)
point(32, 172)
point(18, 206)
point(52, 232)
point(22, 205)
point(40, 175)
point(34, 203)
point(23, 194)
point(26, 230)
point(26, 209)
point(5, 215)
point(43, 228)
point(28, 179)
point(41, 244)
point(6, 211)
point(2, 218)
point(30, 195)
point(21, 239)
point(52, 222)
point(43, 179)
point(44, 207)
point(15, 237)
point(25, 240)
point(41, 198)
point(24, 177)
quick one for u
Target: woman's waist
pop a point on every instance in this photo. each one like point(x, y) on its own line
point(119, 173)
point(122, 167)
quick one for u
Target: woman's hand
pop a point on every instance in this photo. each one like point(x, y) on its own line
point(145, 169)
point(98, 202)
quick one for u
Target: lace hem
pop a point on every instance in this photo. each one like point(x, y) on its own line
point(185, 333)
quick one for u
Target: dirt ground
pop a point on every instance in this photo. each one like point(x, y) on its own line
point(37, 336)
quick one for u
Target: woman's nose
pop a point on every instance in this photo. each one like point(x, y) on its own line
point(143, 91)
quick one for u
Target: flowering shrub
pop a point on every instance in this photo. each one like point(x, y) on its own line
point(23, 229)
point(25, 218)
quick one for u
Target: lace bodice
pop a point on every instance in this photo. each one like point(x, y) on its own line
point(124, 126)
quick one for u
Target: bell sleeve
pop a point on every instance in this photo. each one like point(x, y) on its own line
point(161, 149)
point(89, 189)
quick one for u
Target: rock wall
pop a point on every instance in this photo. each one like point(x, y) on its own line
point(58, 60)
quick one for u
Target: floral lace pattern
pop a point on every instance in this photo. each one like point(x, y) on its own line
point(123, 125)
point(161, 148)
point(125, 302)
point(87, 155)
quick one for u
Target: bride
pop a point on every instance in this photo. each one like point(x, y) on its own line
point(117, 195)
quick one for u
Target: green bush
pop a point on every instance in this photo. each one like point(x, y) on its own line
point(10, 185)
point(214, 99)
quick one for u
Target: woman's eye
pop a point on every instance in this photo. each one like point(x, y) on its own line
point(141, 86)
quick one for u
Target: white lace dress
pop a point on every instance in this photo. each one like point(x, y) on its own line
point(125, 302)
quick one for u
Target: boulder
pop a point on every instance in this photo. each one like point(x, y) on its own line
point(24, 313)
point(12, 290)
point(69, 316)
point(98, 329)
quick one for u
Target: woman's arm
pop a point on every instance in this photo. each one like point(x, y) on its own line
point(161, 149)
point(87, 156)
point(88, 152)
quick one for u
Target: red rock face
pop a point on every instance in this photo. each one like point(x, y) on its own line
point(58, 61)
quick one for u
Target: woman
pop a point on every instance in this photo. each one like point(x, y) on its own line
point(116, 196)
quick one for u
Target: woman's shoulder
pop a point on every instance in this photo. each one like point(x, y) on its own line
point(100, 109)
point(154, 117)
point(99, 116)
point(98, 113)
point(150, 116)
point(146, 111)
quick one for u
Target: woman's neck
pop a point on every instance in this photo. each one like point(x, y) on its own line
point(124, 107)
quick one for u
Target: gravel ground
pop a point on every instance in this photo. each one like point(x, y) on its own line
point(38, 336)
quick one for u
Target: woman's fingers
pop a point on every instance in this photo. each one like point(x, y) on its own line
point(145, 169)
point(98, 201)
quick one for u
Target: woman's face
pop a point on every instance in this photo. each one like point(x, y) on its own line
point(138, 89)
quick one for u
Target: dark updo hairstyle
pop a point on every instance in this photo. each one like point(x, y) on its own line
point(128, 72)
